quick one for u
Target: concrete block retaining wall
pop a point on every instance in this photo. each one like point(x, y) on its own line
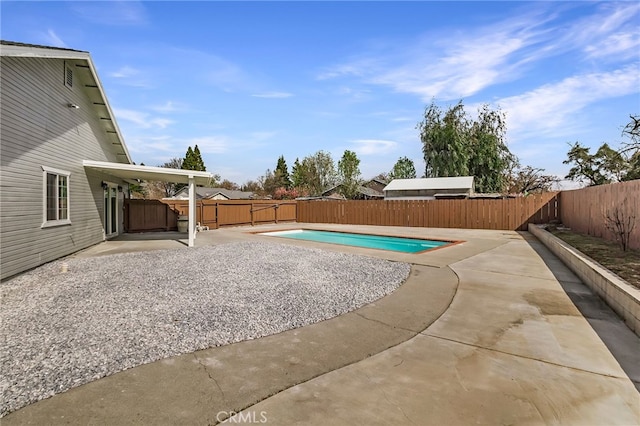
point(621, 296)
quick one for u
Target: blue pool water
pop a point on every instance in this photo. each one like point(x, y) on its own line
point(404, 245)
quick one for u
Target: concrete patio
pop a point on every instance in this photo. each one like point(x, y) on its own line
point(492, 331)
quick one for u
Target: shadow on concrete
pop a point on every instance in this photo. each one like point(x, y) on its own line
point(623, 343)
point(180, 237)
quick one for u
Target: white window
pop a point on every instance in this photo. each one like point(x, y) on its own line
point(56, 197)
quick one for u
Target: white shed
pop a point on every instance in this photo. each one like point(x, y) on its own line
point(428, 188)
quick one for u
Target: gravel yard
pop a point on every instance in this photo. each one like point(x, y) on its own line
point(107, 314)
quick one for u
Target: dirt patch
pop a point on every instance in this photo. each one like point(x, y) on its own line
point(624, 264)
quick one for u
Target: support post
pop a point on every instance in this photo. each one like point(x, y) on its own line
point(192, 211)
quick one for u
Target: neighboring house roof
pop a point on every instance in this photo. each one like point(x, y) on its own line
point(381, 182)
point(82, 63)
point(369, 192)
point(430, 183)
point(203, 192)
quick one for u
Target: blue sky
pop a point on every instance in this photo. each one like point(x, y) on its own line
point(250, 81)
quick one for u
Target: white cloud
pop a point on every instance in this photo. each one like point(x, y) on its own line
point(373, 146)
point(52, 39)
point(463, 64)
point(130, 76)
point(210, 144)
point(261, 136)
point(141, 119)
point(169, 106)
point(124, 72)
point(273, 95)
point(553, 107)
point(458, 66)
point(619, 45)
point(117, 13)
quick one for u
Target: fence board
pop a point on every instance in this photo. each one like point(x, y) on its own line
point(507, 214)
point(583, 210)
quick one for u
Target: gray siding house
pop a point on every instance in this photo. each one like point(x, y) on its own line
point(53, 116)
point(64, 165)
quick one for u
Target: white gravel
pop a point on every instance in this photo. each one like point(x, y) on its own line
point(107, 314)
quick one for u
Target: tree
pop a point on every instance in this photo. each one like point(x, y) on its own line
point(283, 173)
point(620, 221)
point(632, 130)
point(633, 171)
point(193, 160)
point(297, 174)
point(384, 177)
point(252, 186)
point(631, 149)
point(316, 173)
point(227, 184)
point(161, 189)
point(269, 183)
point(349, 174)
point(403, 169)
point(489, 156)
point(527, 180)
point(455, 145)
point(605, 166)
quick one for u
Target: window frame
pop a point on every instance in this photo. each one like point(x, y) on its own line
point(47, 223)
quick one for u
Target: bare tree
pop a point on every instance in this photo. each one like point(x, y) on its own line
point(620, 223)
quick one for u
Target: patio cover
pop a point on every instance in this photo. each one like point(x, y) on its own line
point(130, 172)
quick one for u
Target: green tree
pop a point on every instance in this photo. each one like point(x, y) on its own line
point(269, 183)
point(403, 169)
point(282, 172)
point(605, 166)
point(455, 145)
point(297, 175)
point(445, 141)
point(349, 174)
point(634, 167)
point(188, 162)
point(316, 173)
point(193, 160)
point(198, 160)
point(489, 156)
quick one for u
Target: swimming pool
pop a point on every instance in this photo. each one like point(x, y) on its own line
point(400, 244)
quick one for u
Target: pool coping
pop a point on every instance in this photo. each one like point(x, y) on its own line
point(451, 242)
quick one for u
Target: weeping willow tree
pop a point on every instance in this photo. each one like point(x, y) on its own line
point(453, 144)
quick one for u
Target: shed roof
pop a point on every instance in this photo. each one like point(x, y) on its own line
point(460, 182)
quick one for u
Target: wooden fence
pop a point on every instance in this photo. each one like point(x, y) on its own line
point(162, 215)
point(584, 210)
point(149, 215)
point(507, 214)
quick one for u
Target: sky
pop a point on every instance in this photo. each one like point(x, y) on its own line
point(250, 81)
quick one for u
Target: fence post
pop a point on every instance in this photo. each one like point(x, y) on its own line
point(251, 212)
point(276, 206)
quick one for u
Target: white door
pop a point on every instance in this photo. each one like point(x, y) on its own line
point(111, 210)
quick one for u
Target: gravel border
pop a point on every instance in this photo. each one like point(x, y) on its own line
point(107, 314)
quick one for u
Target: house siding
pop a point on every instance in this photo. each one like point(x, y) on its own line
point(38, 129)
